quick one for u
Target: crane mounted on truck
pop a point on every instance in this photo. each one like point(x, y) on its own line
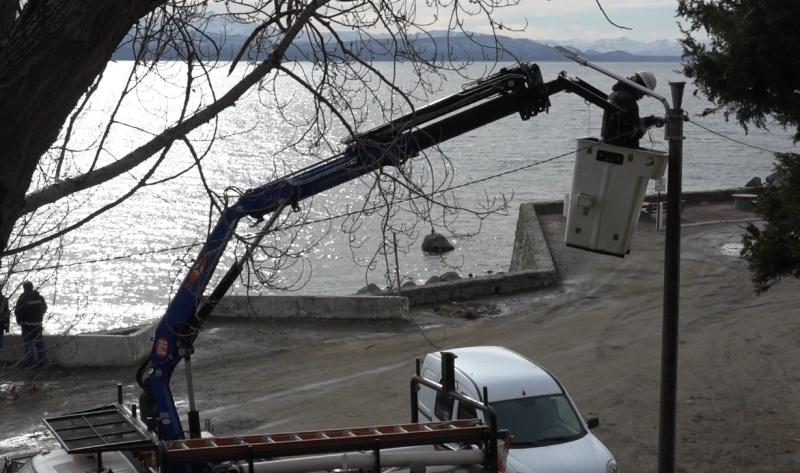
point(519, 89)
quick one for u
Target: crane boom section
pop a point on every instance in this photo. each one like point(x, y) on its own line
point(514, 90)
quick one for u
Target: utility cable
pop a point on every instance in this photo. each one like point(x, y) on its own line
point(729, 138)
point(431, 194)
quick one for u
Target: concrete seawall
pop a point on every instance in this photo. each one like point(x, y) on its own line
point(123, 347)
point(501, 283)
point(531, 251)
point(131, 346)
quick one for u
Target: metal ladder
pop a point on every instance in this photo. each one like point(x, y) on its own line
point(252, 447)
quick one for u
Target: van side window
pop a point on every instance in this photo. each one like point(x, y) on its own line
point(444, 406)
point(466, 412)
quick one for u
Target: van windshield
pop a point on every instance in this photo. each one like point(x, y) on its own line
point(538, 421)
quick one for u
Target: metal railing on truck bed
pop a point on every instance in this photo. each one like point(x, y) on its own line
point(448, 389)
point(369, 448)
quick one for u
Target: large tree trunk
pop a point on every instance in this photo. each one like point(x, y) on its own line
point(50, 57)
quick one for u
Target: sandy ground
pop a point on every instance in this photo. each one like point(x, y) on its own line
point(598, 331)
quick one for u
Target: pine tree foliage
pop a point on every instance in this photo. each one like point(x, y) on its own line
point(750, 68)
point(774, 251)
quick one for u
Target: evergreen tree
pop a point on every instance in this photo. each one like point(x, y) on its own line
point(750, 68)
point(774, 251)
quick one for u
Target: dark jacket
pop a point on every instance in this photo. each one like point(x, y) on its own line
point(5, 314)
point(30, 308)
point(622, 129)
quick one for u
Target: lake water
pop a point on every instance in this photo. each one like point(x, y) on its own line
point(136, 284)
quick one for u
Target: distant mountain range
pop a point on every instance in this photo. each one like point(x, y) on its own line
point(458, 46)
point(661, 47)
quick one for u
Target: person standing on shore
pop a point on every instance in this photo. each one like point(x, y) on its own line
point(5, 318)
point(29, 312)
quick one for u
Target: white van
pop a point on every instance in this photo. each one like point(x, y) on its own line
point(549, 435)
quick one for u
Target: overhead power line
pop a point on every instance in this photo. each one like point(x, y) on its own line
point(730, 138)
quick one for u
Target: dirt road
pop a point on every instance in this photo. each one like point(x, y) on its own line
point(599, 332)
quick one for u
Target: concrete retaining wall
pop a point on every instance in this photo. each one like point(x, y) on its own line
point(314, 307)
point(130, 346)
point(462, 289)
point(531, 251)
point(124, 347)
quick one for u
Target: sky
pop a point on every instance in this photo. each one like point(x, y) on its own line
point(582, 19)
point(649, 20)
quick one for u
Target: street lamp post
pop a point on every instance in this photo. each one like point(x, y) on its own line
point(672, 264)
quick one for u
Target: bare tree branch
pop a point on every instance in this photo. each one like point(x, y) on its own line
point(609, 19)
point(71, 185)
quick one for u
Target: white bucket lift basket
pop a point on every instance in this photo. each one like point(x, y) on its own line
point(608, 187)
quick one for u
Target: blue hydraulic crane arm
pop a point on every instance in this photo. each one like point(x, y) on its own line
point(515, 90)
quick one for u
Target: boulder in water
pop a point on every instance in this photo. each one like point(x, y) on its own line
point(754, 182)
point(436, 243)
point(450, 276)
point(369, 289)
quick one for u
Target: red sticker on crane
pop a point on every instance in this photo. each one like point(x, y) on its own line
point(197, 270)
point(162, 347)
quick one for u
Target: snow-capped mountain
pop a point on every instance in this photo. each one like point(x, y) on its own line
point(661, 47)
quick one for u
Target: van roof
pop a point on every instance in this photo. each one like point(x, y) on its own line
point(507, 374)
